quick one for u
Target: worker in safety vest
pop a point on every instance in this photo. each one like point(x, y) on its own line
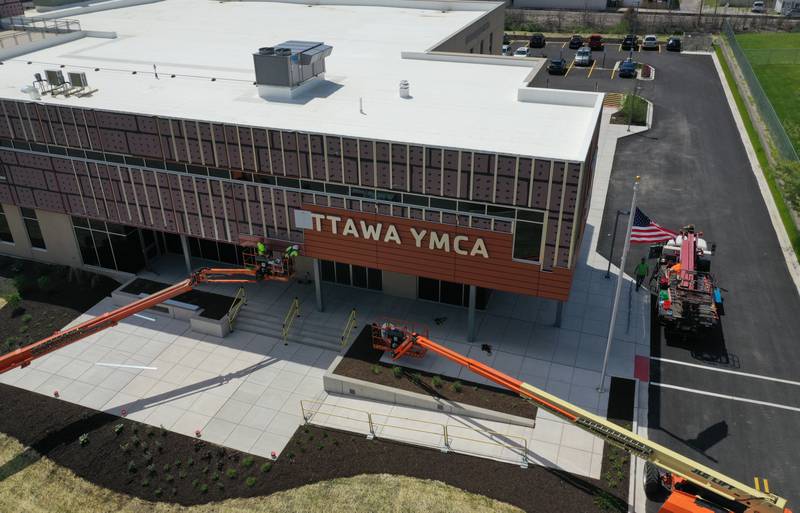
point(641, 272)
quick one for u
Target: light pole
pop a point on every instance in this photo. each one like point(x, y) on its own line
point(620, 278)
point(613, 240)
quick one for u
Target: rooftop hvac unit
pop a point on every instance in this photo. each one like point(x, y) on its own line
point(290, 64)
point(55, 77)
point(78, 79)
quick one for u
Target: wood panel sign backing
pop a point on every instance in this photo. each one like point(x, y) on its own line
point(431, 250)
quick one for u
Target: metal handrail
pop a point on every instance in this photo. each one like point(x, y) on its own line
point(238, 302)
point(291, 315)
point(445, 430)
point(349, 326)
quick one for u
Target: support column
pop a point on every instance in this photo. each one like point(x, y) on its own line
point(473, 292)
point(187, 256)
point(318, 285)
point(559, 312)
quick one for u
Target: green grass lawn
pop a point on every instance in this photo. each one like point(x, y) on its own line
point(780, 81)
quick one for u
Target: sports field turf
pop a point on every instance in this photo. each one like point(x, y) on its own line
point(780, 78)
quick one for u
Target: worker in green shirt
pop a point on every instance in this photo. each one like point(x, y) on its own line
point(641, 272)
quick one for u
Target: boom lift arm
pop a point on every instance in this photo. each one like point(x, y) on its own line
point(681, 468)
point(22, 357)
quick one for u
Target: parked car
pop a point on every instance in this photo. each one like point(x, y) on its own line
point(583, 57)
point(506, 49)
point(627, 69)
point(758, 6)
point(522, 51)
point(674, 44)
point(596, 42)
point(538, 41)
point(575, 42)
point(794, 13)
point(650, 42)
point(630, 42)
point(557, 66)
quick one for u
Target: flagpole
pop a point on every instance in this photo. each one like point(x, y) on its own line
point(620, 277)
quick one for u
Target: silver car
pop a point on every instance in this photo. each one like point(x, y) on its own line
point(650, 42)
point(583, 57)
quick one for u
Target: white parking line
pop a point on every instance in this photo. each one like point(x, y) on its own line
point(724, 396)
point(727, 371)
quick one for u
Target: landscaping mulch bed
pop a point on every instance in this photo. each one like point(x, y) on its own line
point(53, 427)
point(47, 304)
point(362, 361)
point(214, 306)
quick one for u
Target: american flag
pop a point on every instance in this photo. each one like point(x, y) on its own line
point(645, 231)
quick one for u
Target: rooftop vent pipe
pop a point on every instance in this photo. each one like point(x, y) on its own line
point(405, 91)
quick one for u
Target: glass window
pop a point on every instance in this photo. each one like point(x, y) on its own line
point(388, 196)
point(362, 193)
point(312, 186)
point(337, 189)
point(127, 252)
point(359, 276)
point(527, 241)
point(443, 204)
point(374, 279)
point(105, 253)
point(86, 246)
point(500, 211)
point(343, 273)
point(327, 270)
point(428, 288)
point(413, 199)
point(452, 293)
point(80, 221)
point(5, 230)
point(465, 206)
point(530, 215)
point(33, 228)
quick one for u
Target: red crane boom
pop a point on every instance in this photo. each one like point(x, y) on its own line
point(22, 357)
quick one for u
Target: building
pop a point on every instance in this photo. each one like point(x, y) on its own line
point(388, 139)
point(9, 8)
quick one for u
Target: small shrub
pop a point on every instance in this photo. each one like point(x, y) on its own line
point(169, 478)
point(145, 483)
point(148, 457)
point(376, 369)
point(336, 442)
point(13, 299)
point(151, 469)
point(162, 430)
point(126, 448)
point(231, 473)
point(320, 447)
point(203, 488)
point(189, 462)
point(44, 283)
point(177, 463)
point(135, 429)
point(144, 446)
point(266, 467)
point(166, 467)
point(159, 446)
point(150, 433)
point(436, 381)
point(457, 386)
point(157, 492)
point(136, 441)
point(131, 466)
point(397, 371)
point(290, 455)
point(83, 439)
point(195, 483)
point(26, 318)
point(182, 474)
point(215, 476)
point(118, 428)
point(205, 470)
point(220, 485)
point(416, 377)
point(250, 481)
point(247, 461)
point(23, 329)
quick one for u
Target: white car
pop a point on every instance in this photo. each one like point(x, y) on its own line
point(522, 51)
point(583, 57)
point(506, 49)
point(650, 41)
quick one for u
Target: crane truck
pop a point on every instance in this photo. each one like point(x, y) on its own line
point(692, 487)
point(688, 297)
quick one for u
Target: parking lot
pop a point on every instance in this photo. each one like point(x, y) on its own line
point(601, 74)
point(694, 169)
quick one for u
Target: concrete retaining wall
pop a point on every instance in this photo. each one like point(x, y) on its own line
point(344, 385)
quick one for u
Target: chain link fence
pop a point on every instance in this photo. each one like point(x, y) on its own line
point(783, 145)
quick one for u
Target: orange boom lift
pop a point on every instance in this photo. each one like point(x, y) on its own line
point(258, 269)
point(693, 487)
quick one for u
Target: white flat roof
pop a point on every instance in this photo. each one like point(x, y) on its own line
point(471, 103)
